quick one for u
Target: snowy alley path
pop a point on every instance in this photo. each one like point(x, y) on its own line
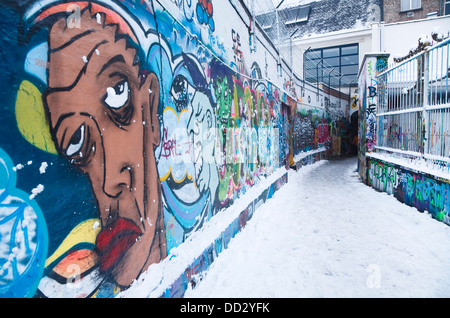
point(326, 234)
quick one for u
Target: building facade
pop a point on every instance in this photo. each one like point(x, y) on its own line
point(407, 10)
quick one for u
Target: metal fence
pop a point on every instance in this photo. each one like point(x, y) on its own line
point(413, 111)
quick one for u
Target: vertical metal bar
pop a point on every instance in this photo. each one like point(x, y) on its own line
point(407, 86)
point(441, 130)
point(441, 77)
point(432, 143)
point(435, 149)
point(430, 72)
point(408, 137)
point(410, 65)
point(395, 82)
point(447, 134)
point(434, 75)
point(425, 98)
point(444, 133)
point(389, 79)
point(446, 75)
point(416, 71)
point(400, 87)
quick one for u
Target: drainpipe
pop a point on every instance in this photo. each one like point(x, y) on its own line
point(292, 62)
point(278, 36)
point(376, 37)
point(303, 66)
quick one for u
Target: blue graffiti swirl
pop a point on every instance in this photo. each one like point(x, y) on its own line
point(23, 236)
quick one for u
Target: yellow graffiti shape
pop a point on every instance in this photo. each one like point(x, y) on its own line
point(85, 232)
point(31, 120)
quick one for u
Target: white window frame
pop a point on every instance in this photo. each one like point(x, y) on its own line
point(446, 12)
point(407, 5)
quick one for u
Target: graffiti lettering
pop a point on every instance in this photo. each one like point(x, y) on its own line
point(238, 55)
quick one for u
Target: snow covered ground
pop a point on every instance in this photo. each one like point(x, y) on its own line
point(326, 234)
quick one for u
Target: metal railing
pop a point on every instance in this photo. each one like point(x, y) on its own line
point(413, 111)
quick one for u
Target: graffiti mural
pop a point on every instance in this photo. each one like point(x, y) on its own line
point(127, 126)
point(418, 190)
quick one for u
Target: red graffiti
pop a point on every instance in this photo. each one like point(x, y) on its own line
point(169, 147)
point(323, 133)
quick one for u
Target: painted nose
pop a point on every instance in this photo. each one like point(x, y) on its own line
point(118, 177)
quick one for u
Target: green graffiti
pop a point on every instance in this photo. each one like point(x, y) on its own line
point(248, 141)
point(382, 176)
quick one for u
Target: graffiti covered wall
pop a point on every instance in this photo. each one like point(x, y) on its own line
point(422, 191)
point(126, 126)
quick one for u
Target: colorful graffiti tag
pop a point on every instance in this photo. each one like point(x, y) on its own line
point(122, 135)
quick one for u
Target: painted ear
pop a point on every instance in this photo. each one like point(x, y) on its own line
point(150, 113)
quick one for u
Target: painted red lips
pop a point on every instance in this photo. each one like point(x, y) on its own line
point(114, 241)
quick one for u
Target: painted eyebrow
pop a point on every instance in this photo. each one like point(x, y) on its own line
point(58, 123)
point(114, 59)
point(60, 119)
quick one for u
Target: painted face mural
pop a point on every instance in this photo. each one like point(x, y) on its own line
point(103, 117)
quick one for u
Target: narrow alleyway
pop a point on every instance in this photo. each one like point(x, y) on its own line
point(326, 234)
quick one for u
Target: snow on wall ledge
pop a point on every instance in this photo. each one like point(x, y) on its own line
point(127, 127)
point(412, 186)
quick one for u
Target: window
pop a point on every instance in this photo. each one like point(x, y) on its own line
point(338, 65)
point(447, 7)
point(330, 52)
point(295, 15)
point(408, 5)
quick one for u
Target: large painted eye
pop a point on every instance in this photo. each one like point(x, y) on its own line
point(117, 96)
point(179, 91)
point(76, 142)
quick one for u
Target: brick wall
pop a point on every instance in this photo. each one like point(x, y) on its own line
point(392, 10)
